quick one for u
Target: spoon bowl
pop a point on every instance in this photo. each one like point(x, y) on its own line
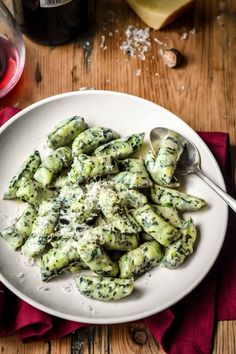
point(189, 161)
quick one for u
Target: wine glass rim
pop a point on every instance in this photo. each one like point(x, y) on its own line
point(20, 47)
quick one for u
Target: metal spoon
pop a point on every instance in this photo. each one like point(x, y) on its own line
point(189, 162)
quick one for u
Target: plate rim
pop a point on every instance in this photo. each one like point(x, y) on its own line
point(144, 314)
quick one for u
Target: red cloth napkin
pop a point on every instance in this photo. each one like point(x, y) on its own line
point(185, 328)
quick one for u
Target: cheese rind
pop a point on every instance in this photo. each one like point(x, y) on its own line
point(159, 13)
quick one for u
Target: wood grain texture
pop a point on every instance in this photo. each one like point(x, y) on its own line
point(202, 92)
point(128, 338)
point(12, 345)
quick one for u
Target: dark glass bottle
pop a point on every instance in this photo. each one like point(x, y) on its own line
point(52, 22)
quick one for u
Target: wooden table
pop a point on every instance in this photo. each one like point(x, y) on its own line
point(202, 92)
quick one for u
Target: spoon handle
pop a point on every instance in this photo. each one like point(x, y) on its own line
point(225, 196)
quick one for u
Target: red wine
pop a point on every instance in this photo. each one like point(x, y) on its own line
point(52, 22)
point(9, 64)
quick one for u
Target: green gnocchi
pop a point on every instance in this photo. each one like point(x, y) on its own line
point(121, 148)
point(66, 131)
point(104, 288)
point(54, 163)
point(16, 234)
point(136, 262)
point(27, 170)
point(92, 206)
point(86, 167)
point(175, 199)
point(90, 139)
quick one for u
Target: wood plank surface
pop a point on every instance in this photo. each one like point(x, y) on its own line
point(202, 92)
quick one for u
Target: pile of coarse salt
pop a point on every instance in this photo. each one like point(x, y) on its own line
point(137, 42)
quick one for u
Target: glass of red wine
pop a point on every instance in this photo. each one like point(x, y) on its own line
point(12, 51)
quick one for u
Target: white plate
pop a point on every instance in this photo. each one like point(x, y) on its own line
point(126, 114)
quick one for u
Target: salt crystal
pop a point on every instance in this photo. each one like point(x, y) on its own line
point(184, 36)
point(110, 34)
point(42, 287)
point(192, 31)
point(90, 309)
point(27, 261)
point(138, 72)
point(20, 275)
point(221, 19)
point(158, 41)
point(141, 56)
point(86, 88)
point(147, 276)
point(103, 38)
point(156, 74)
point(137, 40)
point(182, 87)
point(67, 288)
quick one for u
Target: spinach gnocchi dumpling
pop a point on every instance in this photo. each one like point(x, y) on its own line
point(54, 164)
point(90, 139)
point(121, 148)
point(86, 167)
point(26, 170)
point(66, 131)
point(104, 288)
point(16, 234)
point(171, 148)
point(137, 262)
point(92, 206)
point(96, 259)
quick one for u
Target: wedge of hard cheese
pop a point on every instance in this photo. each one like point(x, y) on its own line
point(158, 13)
